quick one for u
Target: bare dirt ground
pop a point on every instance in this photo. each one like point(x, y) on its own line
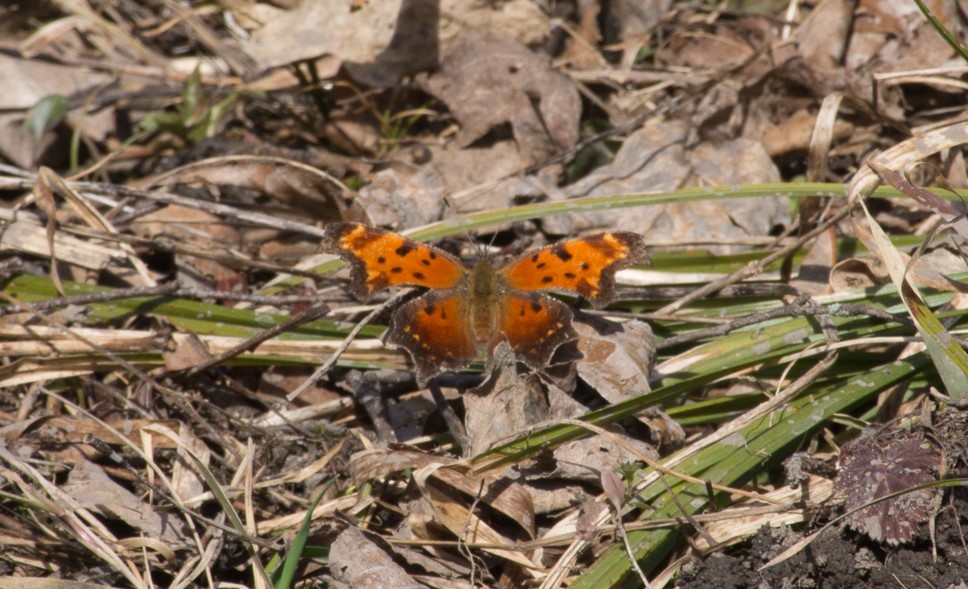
point(841, 560)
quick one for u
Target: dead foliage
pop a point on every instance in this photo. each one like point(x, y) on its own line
point(190, 394)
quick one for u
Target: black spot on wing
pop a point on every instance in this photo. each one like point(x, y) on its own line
point(405, 249)
point(536, 307)
point(547, 279)
point(396, 269)
point(561, 252)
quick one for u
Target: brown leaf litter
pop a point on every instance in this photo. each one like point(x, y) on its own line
point(117, 469)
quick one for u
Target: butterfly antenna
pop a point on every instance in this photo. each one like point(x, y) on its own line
point(451, 206)
point(490, 244)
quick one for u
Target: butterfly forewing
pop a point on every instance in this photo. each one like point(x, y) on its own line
point(585, 266)
point(379, 259)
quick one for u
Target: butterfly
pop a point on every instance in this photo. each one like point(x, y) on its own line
point(468, 310)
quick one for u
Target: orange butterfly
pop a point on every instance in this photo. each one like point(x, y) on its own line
point(469, 310)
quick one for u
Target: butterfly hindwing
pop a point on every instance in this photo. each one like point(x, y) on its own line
point(535, 325)
point(433, 328)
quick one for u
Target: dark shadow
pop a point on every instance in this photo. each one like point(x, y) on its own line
point(414, 47)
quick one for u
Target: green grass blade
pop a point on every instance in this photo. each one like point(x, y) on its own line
point(731, 464)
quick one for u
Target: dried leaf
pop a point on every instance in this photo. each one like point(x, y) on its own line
point(75, 430)
point(383, 41)
point(188, 351)
point(889, 461)
point(581, 51)
point(454, 498)
point(613, 488)
point(585, 459)
point(487, 80)
point(471, 185)
point(94, 490)
point(361, 564)
point(503, 406)
point(313, 29)
point(44, 197)
point(404, 196)
point(378, 463)
point(633, 21)
point(590, 514)
point(617, 358)
point(192, 227)
point(653, 159)
point(815, 269)
point(291, 182)
point(185, 480)
point(26, 83)
point(463, 517)
point(858, 273)
point(822, 38)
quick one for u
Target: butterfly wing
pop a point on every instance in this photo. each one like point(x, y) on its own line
point(433, 329)
point(379, 259)
point(535, 325)
point(584, 265)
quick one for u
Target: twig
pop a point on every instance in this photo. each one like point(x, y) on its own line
point(630, 552)
point(215, 208)
point(104, 448)
point(454, 424)
point(802, 307)
point(159, 244)
point(331, 361)
point(175, 397)
point(318, 309)
point(368, 393)
point(791, 310)
point(753, 268)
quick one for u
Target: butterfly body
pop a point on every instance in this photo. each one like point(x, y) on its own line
point(467, 311)
point(484, 313)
